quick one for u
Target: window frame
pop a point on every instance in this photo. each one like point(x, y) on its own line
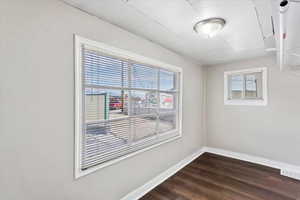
point(247, 102)
point(79, 85)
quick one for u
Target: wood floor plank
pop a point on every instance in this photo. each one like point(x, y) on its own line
point(267, 182)
point(240, 163)
point(185, 191)
point(168, 193)
point(245, 166)
point(209, 189)
point(254, 170)
point(214, 177)
point(234, 185)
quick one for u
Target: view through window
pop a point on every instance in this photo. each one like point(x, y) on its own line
point(127, 106)
point(246, 87)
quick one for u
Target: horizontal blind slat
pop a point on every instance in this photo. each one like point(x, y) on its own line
point(121, 152)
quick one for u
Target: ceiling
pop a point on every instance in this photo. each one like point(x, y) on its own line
point(170, 24)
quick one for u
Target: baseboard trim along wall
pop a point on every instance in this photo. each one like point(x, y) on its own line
point(288, 170)
point(141, 191)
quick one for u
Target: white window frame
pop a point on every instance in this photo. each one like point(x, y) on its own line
point(247, 102)
point(104, 48)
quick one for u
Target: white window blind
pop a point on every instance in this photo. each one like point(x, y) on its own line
point(127, 106)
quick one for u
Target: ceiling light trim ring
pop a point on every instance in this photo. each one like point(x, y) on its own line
point(213, 20)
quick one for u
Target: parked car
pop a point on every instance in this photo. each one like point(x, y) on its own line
point(115, 105)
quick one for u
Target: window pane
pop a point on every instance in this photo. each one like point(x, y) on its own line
point(105, 71)
point(167, 122)
point(253, 86)
point(167, 102)
point(144, 77)
point(143, 102)
point(104, 104)
point(236, 85)
point(167, 80)
point(144, 127)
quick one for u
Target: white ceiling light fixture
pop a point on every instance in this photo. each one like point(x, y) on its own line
point(210, 27)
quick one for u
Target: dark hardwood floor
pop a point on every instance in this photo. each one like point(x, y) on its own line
point(213, 177)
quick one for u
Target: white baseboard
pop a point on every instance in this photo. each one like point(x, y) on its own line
point(141, 191)
point(291, 171)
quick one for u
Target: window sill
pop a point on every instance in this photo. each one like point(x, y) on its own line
point(246, 102)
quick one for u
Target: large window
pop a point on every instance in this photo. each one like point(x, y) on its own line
point(125, 104)
point(246, 87)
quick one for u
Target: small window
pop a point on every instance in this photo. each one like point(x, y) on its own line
point(246, 87)
point(125, 104)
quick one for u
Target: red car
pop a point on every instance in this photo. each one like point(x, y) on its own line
point(115, 105)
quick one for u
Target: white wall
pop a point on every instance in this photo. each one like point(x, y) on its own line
point(37, 106)
point(272, 131)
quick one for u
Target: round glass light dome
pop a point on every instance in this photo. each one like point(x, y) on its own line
point(210, 27)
